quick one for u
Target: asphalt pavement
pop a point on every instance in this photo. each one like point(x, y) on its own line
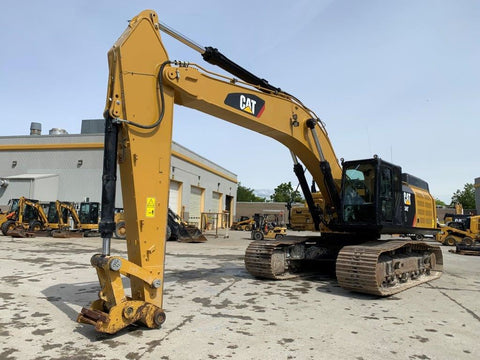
point(216, 310)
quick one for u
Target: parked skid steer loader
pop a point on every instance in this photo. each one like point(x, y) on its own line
point(244, 224)
point(466, 233)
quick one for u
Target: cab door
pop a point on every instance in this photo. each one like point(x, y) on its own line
point(386, 194)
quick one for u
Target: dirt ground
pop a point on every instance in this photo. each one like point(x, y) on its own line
point(216, 310)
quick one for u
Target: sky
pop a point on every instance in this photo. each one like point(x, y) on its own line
point(400, 79)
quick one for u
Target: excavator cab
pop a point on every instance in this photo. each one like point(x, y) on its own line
point(13, 205)
point(371, 194)
point(89, 212)
point(52, 214)
point(377, 198)
point(29, 212)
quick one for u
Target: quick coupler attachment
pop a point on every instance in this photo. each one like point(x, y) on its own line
point(113, 310)
point(121, 315)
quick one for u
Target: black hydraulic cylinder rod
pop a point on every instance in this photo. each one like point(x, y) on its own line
point(330, 185)
point(215, 57)
point(314, 211)
point(109, 179)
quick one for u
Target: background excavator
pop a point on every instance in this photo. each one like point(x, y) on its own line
point(84, 221)
point(32, 217)
point(363, 199)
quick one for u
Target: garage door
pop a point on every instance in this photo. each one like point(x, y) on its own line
point(196, 194)
point(174, 199)
point(216, 197)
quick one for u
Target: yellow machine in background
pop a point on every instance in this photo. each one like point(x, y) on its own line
point(300, 218)
point(467, 232)
point(9, 212)
point(244, 224)
point(120, 227)
point(29, 215)
point(266, 229)
point(57, 218)
point(362, 198)
point(84, 221)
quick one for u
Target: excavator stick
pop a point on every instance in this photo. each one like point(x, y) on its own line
point(136, 64)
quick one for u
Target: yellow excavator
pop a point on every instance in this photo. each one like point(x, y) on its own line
point(84, 221)
point(299, 216)
point(362, 199)
point(33, 218)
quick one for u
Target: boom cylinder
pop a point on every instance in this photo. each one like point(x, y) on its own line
point(215, 57)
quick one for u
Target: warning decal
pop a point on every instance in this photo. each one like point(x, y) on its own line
point(150, 211)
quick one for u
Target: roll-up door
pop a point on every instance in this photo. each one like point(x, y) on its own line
point(195, 210)
point(174, 199)
point(216, 197)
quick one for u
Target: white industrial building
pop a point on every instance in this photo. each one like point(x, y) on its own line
point(68, 167)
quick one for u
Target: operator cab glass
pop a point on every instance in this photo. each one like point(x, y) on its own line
point(371, 194)
point(89, 212)
point(52, 215)
point(13, 204)
point(359, 191)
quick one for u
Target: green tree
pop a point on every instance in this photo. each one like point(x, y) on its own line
point(466, 197)
point(440, 203)
point(285, 193)
point(246, 194)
